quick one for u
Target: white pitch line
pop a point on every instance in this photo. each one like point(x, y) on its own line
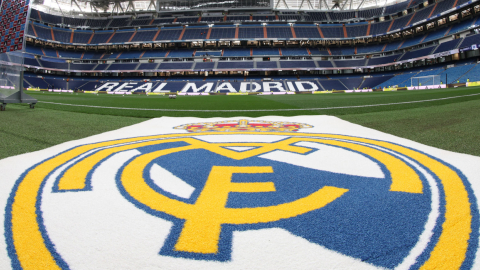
point(262, 110)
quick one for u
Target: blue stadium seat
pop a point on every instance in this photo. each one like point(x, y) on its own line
point(234, 65)
point(332, 85)
point(222, 33)
point(250, 32)
point(446, 46)
point(332, 32)
point(144, 35)
point(266, 51)
point(307, 32)
point(297, 64)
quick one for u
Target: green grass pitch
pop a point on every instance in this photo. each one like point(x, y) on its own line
point(444, 118)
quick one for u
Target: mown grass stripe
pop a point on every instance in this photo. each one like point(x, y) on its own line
point(260, 110)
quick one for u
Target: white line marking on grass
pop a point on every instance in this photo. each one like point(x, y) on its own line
point(260, 110)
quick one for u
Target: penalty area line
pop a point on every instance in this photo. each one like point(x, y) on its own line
point(260, 110)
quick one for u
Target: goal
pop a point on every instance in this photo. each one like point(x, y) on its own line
point(425, 80)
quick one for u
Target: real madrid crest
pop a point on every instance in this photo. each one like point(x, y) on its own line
point(215, 194)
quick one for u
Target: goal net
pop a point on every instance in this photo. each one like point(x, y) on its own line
point(425, 80)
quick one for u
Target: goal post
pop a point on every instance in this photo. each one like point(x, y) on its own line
point(425, 80)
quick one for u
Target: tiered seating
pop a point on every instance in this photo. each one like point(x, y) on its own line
point(101, 66)
point(401, 22)
point(130, 55)
point(141, 21)
point(324, 64)
point(319, 51)
point(262, 18)
point(119, 22)
point(101, 23)
point(237, 18)
point(422, 14)
point(101, 37)
point(70, 54)
point(296, 64)
point(266, 51)
point(122, 66)
point(250, 32)
point(50, 52)
point(208, 53)
point(176, 65)
point(402, 80)
point(121, 36)
point(307, 32)
point(279, 32)
point(187, 19)
point(56, 83)
point(211, 19)
point(473, 75)
point(461, 26)
point(236, 52)
point(446, 46)
point(43, 32)
point(144, 35)
point(443, 6)
point(332, 85)
point(357, 31)
point(82, 66)
point(417, 53)
point(392, 9)
point(266, 64)
point(148, 66)
point(294, 52)
point(436, 34)
point(343, 51)
point(82, 37)
point(379, 28)
point(111, 55)
point(34, 50)
point(181, 53)
point(195, 33)
point(341, 16)
point(332, 32)
point(154, 54)
point(316, 16)
point(49, 18)
point(92, 55)
point(350, 63)
point(374, 81)
point(383, 60)
point(470, 40)
point(36, 82)
point(412, 41)
point(31, 62)
point(204, 65)
point(454, 74)
point(51, 64)
point(223, 33)
point(393, 45)
point(163, 21)
point(234, 65)
point(370, 48)
point(75, 22)
point(370, 13)
point(169, 34)
point(62, 36)
point(352, 83)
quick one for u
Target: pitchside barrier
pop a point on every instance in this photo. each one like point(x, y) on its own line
point(227, 88)
point(471, 84)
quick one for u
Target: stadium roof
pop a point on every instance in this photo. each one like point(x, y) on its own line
point(125, 6)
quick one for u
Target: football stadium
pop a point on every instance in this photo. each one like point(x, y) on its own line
point(240, 134)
